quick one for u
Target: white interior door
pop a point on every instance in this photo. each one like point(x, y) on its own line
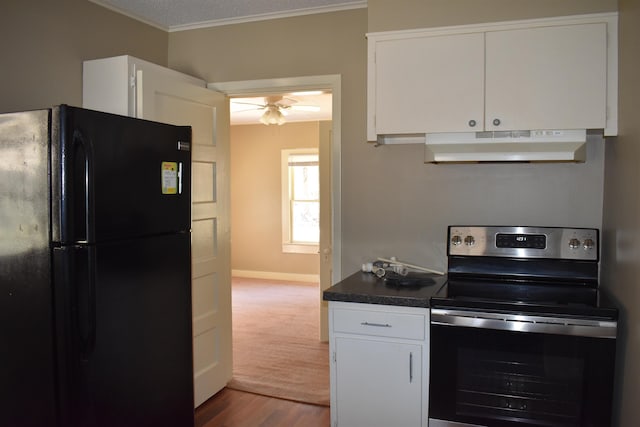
point(167, 100)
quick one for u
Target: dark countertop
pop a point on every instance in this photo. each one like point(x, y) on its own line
point(366, 288)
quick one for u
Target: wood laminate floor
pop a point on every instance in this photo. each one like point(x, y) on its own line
point(233, 408)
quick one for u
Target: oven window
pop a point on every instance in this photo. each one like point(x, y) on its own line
point(518, 386)
point(507, 379)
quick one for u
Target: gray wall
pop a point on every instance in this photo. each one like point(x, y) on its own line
point(45, 41)
point(321, 44)
point(385, 15)
point(393, 203)
point(621, 235)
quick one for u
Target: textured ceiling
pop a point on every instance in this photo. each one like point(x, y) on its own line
point(175, 15)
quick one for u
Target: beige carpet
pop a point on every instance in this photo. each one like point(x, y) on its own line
point(276, 349)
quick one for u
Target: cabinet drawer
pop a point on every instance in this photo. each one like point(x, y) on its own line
point(394, 325)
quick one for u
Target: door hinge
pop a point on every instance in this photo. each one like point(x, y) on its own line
point(132, 81)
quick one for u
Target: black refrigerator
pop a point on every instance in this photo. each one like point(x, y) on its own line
point(95, 271)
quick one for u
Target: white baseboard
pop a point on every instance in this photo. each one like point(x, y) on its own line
point(275, 275)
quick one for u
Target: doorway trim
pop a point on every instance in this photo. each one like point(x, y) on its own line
point(330, 82)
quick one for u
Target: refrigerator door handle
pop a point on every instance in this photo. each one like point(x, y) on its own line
point(85, 158)
point(86, 302)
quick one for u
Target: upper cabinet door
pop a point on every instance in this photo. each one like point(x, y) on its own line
point(429, 84)
point(552, 77)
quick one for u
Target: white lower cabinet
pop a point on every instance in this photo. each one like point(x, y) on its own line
point(379, 365)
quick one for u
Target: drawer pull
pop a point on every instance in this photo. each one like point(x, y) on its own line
point(410, 368)
point(378, 325)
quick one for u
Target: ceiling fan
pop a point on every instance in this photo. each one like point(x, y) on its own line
point(275, 107)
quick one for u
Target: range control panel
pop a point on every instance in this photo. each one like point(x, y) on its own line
point(524, 242)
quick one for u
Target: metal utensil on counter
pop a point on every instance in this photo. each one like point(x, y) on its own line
point(393, 261)
point(380, 267)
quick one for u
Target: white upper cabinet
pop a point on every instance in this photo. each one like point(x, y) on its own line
point(547, 78)
point(553, 73)
point(434, 83)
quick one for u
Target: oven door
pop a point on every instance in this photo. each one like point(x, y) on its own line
point(491, 369)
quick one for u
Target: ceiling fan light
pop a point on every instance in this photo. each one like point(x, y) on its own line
point(272, 116)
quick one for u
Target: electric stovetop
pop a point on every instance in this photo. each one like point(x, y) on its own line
point(518, 297)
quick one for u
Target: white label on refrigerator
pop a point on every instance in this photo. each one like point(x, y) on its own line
point(169, 178)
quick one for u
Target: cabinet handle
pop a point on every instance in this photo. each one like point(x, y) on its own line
point(410, 367)
point(379, 325)
point(472, 123)
point(496, 122)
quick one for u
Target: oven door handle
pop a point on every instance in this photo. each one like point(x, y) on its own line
point(525, 323)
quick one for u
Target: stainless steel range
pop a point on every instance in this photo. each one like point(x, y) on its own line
point(521, 334)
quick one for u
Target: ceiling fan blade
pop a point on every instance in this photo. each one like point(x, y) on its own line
point(244, 110)
point(286, 102)
point(248, 103)
point(239, 107)
point(309, 108)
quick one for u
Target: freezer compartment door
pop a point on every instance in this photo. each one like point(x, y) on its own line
point(127, 307)
point(116, 177)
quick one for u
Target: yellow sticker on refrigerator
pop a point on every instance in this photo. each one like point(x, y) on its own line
point(169, 178)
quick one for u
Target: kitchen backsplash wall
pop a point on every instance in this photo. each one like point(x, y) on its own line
point(407, 205)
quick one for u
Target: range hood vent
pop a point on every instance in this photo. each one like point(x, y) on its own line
point(507, 146)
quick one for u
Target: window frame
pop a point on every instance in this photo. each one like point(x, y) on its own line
point(289, 246)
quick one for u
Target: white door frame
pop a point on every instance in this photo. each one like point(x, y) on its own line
point(330, 82)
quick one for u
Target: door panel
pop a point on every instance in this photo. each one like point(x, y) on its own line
point(378, 383)
point(547, 78)
point(429, 84)
point(207, 112)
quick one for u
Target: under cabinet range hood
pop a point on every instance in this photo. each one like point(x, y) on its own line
point(507, 146)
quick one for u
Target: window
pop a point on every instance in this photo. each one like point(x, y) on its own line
point(300, 201)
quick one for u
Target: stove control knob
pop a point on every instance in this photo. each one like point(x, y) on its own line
point(456, 240)
point(574, 243)
point(588, 244)
point(469, 241)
